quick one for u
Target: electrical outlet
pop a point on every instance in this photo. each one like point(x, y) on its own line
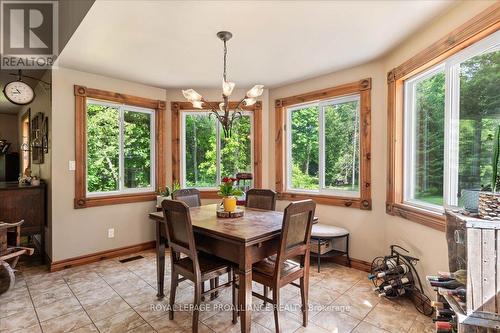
point(111, 233)
point(72, 165)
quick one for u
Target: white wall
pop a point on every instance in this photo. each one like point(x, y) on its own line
point(77, 232)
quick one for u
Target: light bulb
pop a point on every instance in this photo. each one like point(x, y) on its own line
point(249, 101)
point(197, 104)
point(227, 88)
point(191, 95)
point(256, 91)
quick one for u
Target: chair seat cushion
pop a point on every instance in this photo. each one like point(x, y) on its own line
point(266, 267)
point(207, 263)
point(325, 230)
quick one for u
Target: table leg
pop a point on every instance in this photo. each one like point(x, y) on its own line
point(160, 261)
point(245, 298)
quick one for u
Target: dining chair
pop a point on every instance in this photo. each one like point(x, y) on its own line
point(261, 199)
point(294, 242)
point(196, 267)
point(190, 196)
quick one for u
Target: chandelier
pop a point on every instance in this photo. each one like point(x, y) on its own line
point(224, 114)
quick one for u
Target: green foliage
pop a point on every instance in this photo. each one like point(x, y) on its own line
point(201, 149)
point(494, 162)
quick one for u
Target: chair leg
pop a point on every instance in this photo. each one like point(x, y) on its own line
point(276, 301)
point(347, 251)
point(212, 286)
point(266, 293)
point(304, 292)
point(173, 289)
point(196, 303)
point(319, 256)
point(232, 278)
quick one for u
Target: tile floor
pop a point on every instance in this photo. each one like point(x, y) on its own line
point(110, 296)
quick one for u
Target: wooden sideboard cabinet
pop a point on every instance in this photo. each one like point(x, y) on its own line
point(28, 203)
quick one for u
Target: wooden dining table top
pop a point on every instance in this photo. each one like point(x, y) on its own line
point(255, 225)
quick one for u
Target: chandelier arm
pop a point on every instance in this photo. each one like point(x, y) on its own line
point(209, 104)
point(239, 103)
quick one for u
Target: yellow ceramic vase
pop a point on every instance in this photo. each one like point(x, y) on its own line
point(229, 204)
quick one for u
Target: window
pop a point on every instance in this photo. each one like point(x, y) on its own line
point(451, 112)
point(201, 155)
point(207, 156)
point(118, 148)
point(323, 146)
point(443, 108)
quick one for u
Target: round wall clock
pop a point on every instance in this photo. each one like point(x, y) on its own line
point(18, 92)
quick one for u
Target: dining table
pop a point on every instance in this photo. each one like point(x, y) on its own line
point(242, 241)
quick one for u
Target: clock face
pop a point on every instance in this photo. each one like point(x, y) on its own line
point(19, 92)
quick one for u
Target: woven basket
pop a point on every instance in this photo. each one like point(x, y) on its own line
point(489, 206)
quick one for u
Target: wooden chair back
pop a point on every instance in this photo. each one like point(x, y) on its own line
point(261, 199)
point(179, 230)
point(190, 196)
point(295, 233)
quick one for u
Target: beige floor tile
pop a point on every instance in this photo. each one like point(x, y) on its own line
point(335, 321)
point(364, 327)
point(15, 293)
point(82, 287)
point(337, 284)
point(13, 306)
point(140, 296)
point(391, 316)
point(46, 287)
point(146, 328)
point(220, 322)
point(58, 308)
point(182, 321)
point(153, 310)
point(358, 304)
point(422, 327)
point(319, 294)
point(32, 329)
point(311, 328)
point(86, 329)
point(18, 321)
point(92, 297)
point(52, 296)
point(66, 323)
point(120, 322)
point(106, 308)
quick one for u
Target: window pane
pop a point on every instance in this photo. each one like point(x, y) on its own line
point(305, 148)
point(428, 155)
point(342, 146)
point(137, 149)
point(479, 117)
point(236, 151)
point(102, 148)
point(200, 139)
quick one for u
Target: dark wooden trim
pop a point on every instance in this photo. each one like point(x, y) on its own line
point(323, 199)
point(342, 90)
point(81, 94)
point(342, 260)
point(482, 25)
point(177, 107)
point(98, 256)
point(361, 87)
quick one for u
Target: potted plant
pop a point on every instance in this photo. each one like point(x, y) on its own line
point(166, 193)
point(489, 202)
point(229, 192)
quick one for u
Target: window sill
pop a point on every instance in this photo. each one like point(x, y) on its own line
point(113, 199)
point(328, 200)
point(425, 217)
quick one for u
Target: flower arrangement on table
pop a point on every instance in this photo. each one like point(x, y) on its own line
point(229, 192)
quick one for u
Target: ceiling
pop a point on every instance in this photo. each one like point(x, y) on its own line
point(173, 43)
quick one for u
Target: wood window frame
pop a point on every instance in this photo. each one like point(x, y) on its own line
point(81, 94)
point(479, 27)
point(178, 107)
point(361, 88)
